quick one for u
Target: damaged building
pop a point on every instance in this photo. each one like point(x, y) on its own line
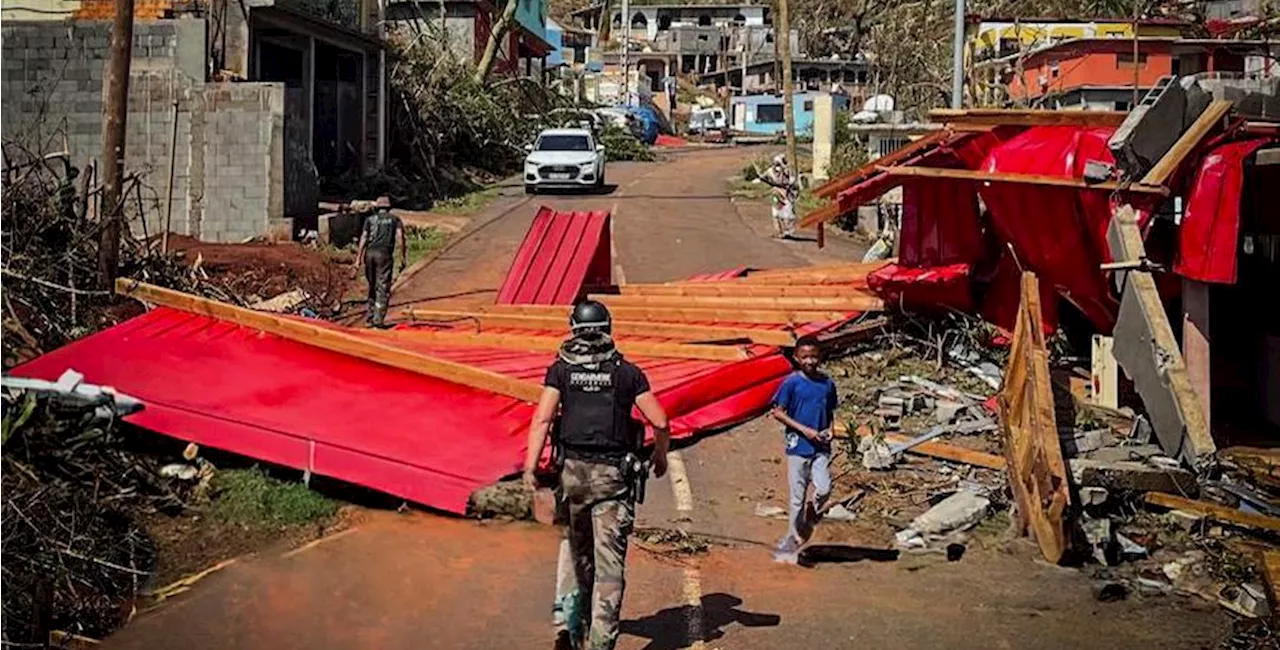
point(244, 105)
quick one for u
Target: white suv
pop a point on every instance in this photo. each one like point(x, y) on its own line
point(564, 158)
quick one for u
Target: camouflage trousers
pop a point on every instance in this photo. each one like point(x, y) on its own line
point(600, 513)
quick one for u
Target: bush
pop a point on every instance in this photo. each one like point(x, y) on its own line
point(619, 144)
point(251, 496)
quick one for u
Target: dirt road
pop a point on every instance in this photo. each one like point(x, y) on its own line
point(423, 581)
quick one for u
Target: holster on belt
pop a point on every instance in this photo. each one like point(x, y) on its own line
point(635, 471)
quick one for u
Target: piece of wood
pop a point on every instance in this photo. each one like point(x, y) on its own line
point(1029, 179)
point(941, 450)
point(742, 290)
point(746, 290)
point(1259, 466)
point(334, 340)
point(851, 303)
point(1211, 118)
point(1027, 117)
point(852, 269)
point(560, 325)
point(1104, 375)
point(1213, 510)
point(1271, 572)
point(690, 314)
point(852, 333)
point(1196, 348)
point(1037, 472)
point(533, 343)
point(836, 185)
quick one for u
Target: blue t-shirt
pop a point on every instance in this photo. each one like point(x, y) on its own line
point(811, 402)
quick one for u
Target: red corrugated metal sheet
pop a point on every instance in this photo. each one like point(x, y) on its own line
point(561, 253)
point(419, 438)
point(1210, 232)
point(940, 224)
point(923, 289)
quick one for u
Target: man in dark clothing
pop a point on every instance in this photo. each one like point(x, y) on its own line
point(594, 389)
point(382, 231)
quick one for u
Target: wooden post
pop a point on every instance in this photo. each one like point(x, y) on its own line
point(1196, 341)
point(115, 112)
point(783, 39)
point(1104, 375)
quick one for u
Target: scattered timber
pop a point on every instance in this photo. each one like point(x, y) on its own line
point(534, 343)
point(1213, 510)
point(724, 315)
point(851, 303)
point(559, 324)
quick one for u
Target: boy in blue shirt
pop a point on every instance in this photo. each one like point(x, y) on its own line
point(805, 404)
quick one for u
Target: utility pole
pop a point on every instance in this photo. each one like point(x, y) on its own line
point(788, 102)
point(626, 51)
point(115, 111)
point(957, 59)
point(1137, 69)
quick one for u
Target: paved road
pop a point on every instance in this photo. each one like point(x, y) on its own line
point(423, 581)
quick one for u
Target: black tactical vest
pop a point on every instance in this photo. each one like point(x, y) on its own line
point(594, 420)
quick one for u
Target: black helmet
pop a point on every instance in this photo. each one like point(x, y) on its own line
point(590, 315)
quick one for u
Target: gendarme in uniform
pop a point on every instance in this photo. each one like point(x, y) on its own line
point(377, 251)
point(596, 389)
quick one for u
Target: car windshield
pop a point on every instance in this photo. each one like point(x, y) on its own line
point(564, 143)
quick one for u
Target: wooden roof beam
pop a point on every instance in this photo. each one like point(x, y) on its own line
point(334, 340)
point(1029, 179)
point(1027, 117)
point(534, 343)
point(745, 290)
point(731, 304)
point(834, 186)
point(559, 324)
point(702, 315)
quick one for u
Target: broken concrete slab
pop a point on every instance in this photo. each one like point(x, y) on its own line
point(1149, 354)
point(1119, 476)
point(1150, 129)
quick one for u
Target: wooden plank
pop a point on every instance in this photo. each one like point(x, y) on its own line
point(1027, 117)
point(941, 450)
point(1030, 179)
point(836, 185)
point(691, 314)
point(851, 303)
point(559, 324)
point(1104, 375)
point(853, 269)
point(746, 290)
point(334, 340)
point(1168, 164)
point(1037, 472)
point(1271, 572)
point(534, 343)
point(1218, 512)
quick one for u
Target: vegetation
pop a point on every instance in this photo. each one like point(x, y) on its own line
point(621, 145)
point(251, 496)
point(467, 203)
point(422, 242)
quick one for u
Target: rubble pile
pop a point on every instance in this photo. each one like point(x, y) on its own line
point(75, 554)
point(925, 458)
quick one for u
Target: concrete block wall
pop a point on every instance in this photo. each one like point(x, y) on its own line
point(243, 159)
point(228, 153)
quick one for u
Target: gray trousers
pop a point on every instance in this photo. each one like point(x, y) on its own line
point(801, 472)
point(378, 271)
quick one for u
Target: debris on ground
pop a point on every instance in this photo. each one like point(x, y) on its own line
point(671, 541)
